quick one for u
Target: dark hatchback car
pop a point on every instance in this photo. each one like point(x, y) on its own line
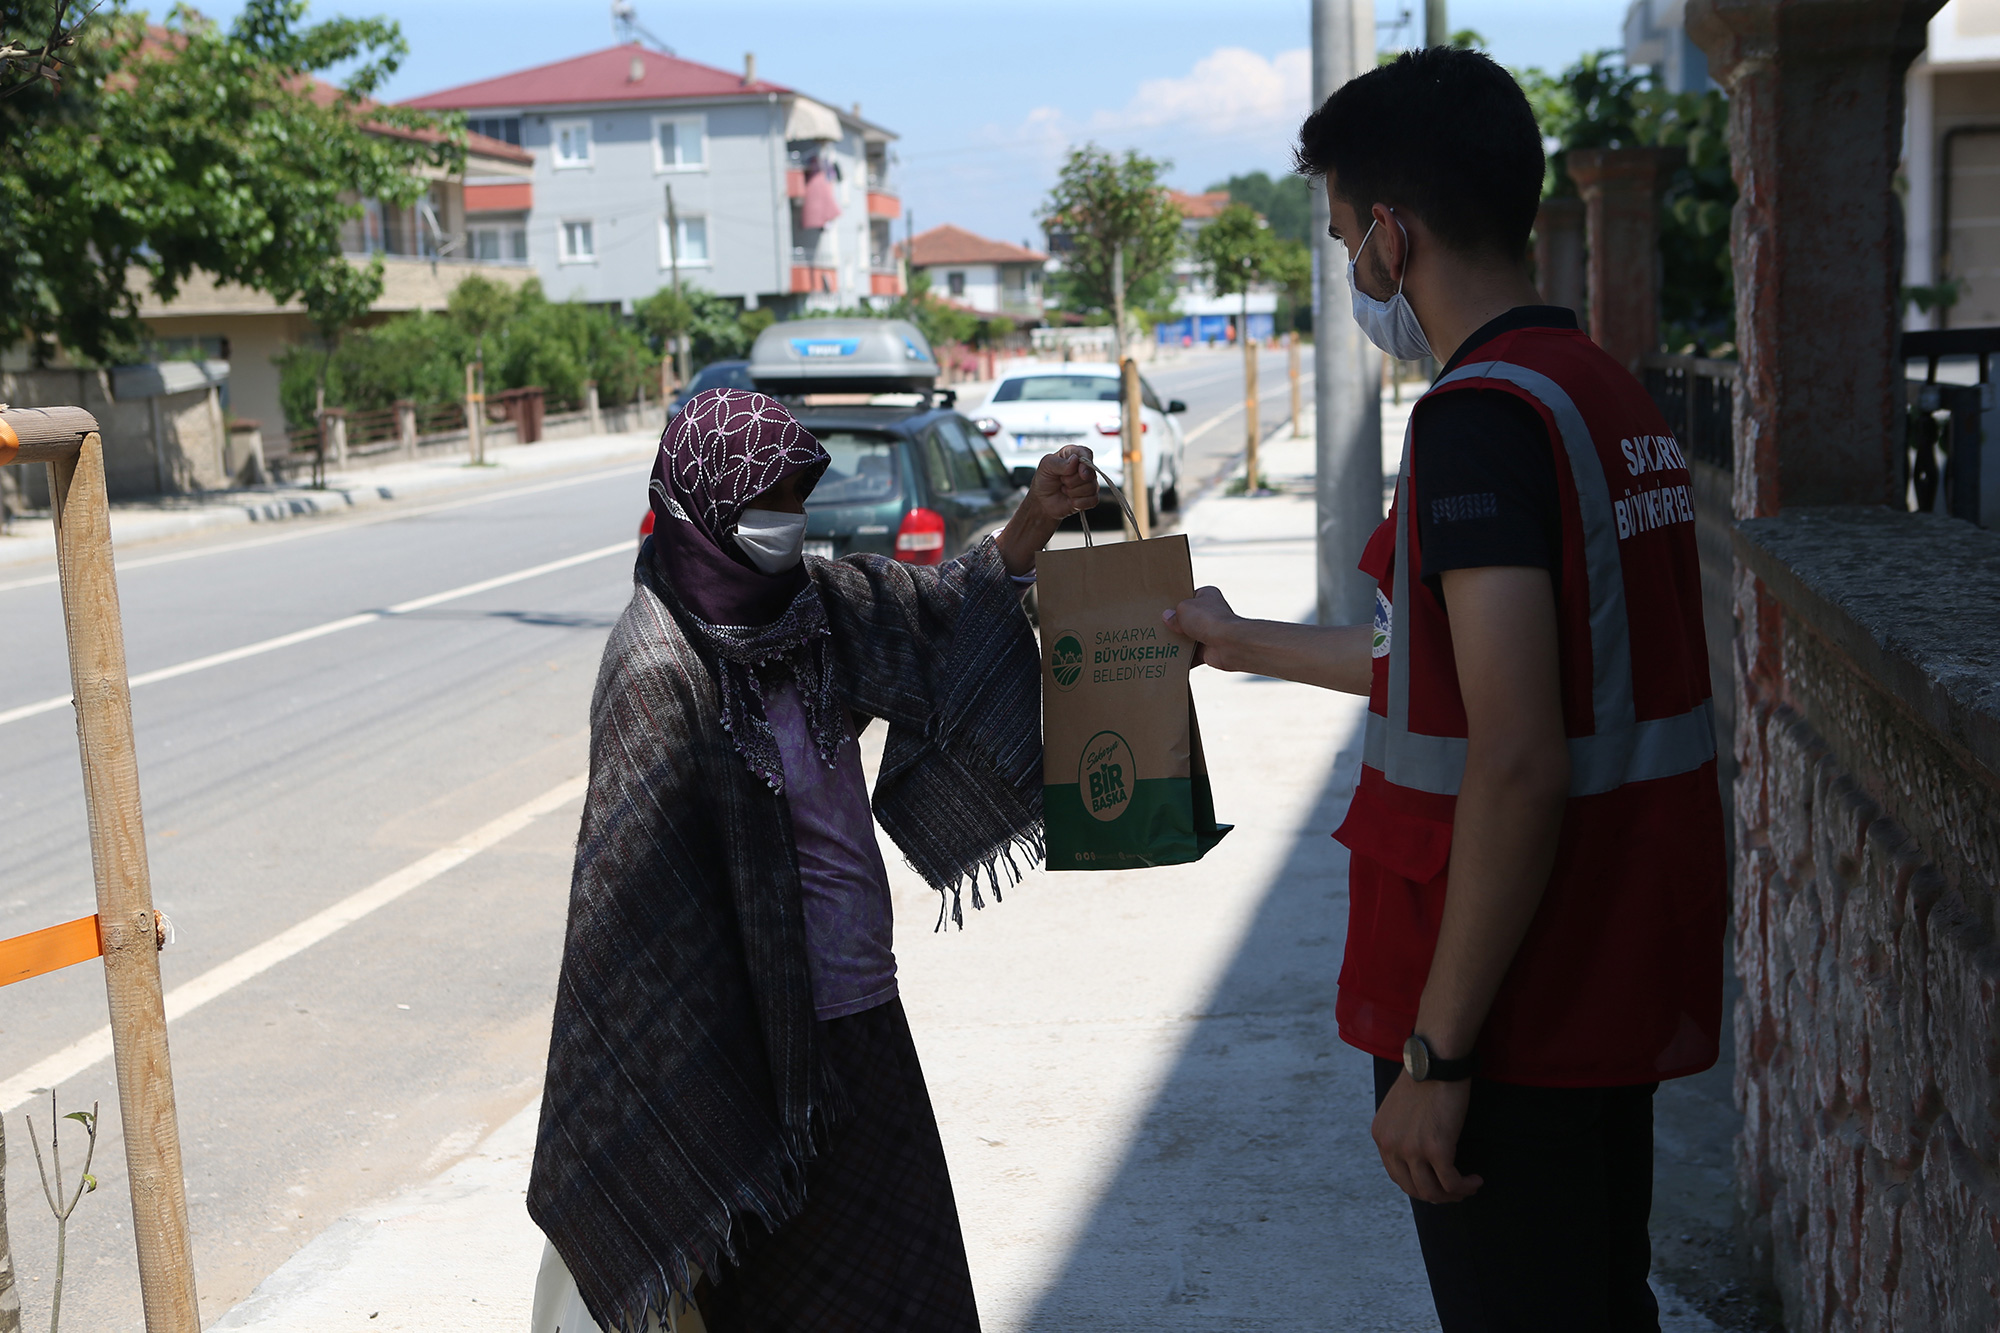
point(919, 483)
point(714, 375)
point(914, 480)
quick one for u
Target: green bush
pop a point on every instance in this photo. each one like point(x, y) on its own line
point(526, 339)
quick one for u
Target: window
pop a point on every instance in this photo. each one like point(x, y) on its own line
point(679, 143)
point(968, 469)
point(1058, 389)
point(499, 244)
point(937, 461)
point(863, 469)
point(572, 143)
point(693, 243)
point(505, 128)
point(955, 283)
point(578, 243)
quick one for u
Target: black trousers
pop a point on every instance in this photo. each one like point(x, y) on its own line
point(1556, 1238)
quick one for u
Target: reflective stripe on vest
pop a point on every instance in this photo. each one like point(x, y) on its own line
point(1621, 749)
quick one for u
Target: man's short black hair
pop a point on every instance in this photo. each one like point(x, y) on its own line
point(1444, 133)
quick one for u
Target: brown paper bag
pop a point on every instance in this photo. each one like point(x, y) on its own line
point(1123, 779)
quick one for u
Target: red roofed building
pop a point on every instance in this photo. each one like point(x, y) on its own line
point(426, 249)
point(991, 277)
point(775, 198)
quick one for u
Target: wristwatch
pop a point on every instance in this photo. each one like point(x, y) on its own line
point(1425, 1067)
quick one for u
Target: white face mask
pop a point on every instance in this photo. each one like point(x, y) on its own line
point(1391, 325)
point(774, 541)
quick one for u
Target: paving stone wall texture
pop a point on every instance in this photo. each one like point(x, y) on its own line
point(1869, 1029)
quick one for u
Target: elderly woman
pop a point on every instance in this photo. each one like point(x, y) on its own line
point(735, 1132)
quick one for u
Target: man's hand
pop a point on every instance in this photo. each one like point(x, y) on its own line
point(1065, 483)
point(1333, 657)
point(1207, 618)
point(1416, 1131)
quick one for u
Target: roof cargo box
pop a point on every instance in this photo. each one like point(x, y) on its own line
point(842, 356)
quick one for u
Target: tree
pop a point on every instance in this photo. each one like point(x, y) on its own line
point(1286, 202)
point(1238, 251)
point(198, 148)
point(1600, 103)
point(1121, 232)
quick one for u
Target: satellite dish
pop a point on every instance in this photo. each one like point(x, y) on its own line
point(626, 27)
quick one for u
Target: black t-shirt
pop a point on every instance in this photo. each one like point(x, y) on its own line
point(1485, 470)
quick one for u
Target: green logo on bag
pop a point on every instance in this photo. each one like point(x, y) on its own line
point(1104, 778)
point(1066, 661)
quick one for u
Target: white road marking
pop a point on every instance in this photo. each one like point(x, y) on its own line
point(185, 998)
point(338, 524)
point(321, 631)
point(1230, 411)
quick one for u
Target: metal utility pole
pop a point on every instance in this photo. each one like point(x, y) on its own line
point(1437, 30)
point(1347, 391)
point(674, 258)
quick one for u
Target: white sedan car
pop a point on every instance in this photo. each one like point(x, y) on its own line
point(1037, 411)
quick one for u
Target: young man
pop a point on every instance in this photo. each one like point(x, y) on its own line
point(1537, 880)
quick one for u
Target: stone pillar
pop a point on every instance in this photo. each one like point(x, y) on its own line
point(1815, 134)
point(1621, 200)
point(591, 407)
point(1559, 256)
point(406, 426)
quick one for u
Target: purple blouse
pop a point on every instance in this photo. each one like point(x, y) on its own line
point(845, 887)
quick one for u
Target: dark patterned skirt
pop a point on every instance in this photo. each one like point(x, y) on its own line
point(877, 1247)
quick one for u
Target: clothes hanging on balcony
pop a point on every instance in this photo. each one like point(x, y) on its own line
point(819, 206)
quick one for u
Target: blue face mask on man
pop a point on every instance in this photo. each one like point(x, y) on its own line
point(1391, 325)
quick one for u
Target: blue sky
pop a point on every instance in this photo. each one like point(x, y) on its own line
point(986, 96)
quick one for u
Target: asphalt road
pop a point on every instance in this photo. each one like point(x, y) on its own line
point(1211, 384)
point(383, 725)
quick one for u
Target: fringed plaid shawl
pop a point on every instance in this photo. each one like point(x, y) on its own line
point(684, 1094)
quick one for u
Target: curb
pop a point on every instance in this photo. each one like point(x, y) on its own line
point(33, 540)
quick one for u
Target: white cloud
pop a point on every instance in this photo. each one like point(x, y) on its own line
point(1229, 91)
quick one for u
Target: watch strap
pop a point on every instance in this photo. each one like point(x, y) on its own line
point(1431, 1068)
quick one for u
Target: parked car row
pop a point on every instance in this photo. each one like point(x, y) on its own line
point(916, 478)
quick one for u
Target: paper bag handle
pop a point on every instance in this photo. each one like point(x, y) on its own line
point(1125, 509)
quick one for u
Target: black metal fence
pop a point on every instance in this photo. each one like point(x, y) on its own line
point(1944, 423)
point(1697, 396)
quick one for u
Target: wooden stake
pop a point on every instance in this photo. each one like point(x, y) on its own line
point(124, 888)
point(1292, 369)
point(1250, 429)
point(1129, 432)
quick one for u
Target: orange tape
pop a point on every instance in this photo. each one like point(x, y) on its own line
point(10, 444)
point(42, 951)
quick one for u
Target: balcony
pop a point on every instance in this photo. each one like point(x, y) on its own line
point(882, 204)
point(807, 278)
point(885, 283)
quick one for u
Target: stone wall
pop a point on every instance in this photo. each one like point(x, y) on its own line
point(1868, 854)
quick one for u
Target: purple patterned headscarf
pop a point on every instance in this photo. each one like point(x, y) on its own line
point(723, 450)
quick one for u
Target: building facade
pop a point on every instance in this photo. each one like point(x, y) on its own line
point(426, 250)
point(645, 165)
point(1204, 316)
point(991, 277)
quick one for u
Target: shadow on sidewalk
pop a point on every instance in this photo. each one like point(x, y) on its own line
point(1250, 1195)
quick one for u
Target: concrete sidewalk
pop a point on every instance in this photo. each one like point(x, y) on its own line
point(134, 522)
point(1151, 1122)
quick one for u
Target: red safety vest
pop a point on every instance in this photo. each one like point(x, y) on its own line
point(1619, 979)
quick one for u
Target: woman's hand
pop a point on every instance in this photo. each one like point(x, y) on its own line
point(1065, 482)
